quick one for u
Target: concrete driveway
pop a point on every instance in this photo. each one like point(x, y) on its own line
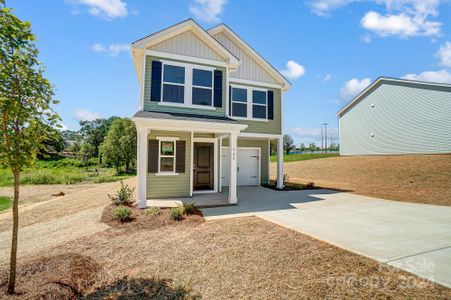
point(413, 237)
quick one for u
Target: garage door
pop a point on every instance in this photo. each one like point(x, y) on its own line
point(248, 161)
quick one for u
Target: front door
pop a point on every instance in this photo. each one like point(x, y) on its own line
point(203, 175)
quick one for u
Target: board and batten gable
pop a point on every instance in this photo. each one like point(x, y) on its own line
point(187, 44)
point(248, 69)
point(156, 106)
point(395, 117)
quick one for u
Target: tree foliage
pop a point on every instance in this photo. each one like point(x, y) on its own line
point(94, 132)
point(288, 144)
point(25, 108)
point(119, 146)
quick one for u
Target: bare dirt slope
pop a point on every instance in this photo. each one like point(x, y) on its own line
point(411, 178)
point(57, 220)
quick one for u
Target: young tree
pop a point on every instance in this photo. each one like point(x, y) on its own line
point(288, 144)
point(119, 147)
point(25, 99)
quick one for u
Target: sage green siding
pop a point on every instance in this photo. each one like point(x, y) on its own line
point(154, 106)
point(171, 186)
point(270, 126)
point(263, 144)
point(398, 118)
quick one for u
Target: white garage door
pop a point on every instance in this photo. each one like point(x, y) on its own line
point(248, 161)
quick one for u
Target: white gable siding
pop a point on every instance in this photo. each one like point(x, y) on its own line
point(404, 120)
point(187, 43)
point(249, 69)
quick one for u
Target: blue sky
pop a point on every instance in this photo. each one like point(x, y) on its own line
point(336, 48)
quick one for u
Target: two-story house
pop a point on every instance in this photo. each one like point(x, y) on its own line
point(209, 107)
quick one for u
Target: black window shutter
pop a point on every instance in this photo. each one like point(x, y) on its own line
point(152, 160)
point(180, 156)
point(270, 105)
point(155, 87)
point(217, 96)
point(230, 100)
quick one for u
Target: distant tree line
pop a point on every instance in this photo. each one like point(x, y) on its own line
point(110, 142)
point(289, 146)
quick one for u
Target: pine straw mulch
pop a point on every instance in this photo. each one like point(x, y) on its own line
point(140, 220)
point(63, 276)
point(239, 258)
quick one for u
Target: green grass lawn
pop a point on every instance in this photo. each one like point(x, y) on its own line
point(5, 203)
point(303, 156)
point(61, 171)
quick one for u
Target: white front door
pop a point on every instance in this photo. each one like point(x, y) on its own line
point(248, 166)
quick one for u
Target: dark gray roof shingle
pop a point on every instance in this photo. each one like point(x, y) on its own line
point(183, 116)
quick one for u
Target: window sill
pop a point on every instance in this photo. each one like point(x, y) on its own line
point(166, 174)
point(186, 106)
point(250, 119)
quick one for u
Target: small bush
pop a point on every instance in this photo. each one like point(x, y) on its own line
point(189, 209)
point(309, 184)
point(152, 211)
point(123, 214)
point(177, 213)
point(124, 195)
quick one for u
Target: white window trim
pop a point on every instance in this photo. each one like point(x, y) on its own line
point(167, 139)
point(249, 103)
point(188, 85)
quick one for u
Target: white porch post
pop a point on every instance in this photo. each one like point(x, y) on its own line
point(280, 163)
point(232, 178)
point(141, 184)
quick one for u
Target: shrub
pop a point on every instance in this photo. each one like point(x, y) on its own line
point(152, 211)
point(189, 209)
point(177, 213)
point(124, 195)
point(123, 214)
point(309, 184)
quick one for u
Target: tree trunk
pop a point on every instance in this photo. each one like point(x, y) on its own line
point(13, 258)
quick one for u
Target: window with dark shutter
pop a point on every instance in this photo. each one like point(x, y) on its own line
point(270, 105)
point(152, 160)
point(180, 157)
point(217, 88)
point(155, 87)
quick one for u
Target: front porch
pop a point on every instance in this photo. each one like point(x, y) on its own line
point(186, 158)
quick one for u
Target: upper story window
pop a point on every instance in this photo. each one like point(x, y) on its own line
point(259, 104)
point(202, 87)
point(249, 103)
point(239, 102)
point(186, 84)
point(173, 84)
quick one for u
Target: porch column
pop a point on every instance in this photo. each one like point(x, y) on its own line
point(280, 163)
point(232, 178)
point(141, 184)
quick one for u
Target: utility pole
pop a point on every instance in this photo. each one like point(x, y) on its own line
point(322, 139)
point(325, 133)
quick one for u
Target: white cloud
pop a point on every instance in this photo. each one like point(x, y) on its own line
point(323, 7)
point(207, 10)
point(327, 77)
point(86, 115)
point(444, 53)
point(293, 70)
point(366, 38)
point(399, 25)
point(404, 18)
point(442, 76)
point(108, 9)
point(112, 50)
point(353, 87)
